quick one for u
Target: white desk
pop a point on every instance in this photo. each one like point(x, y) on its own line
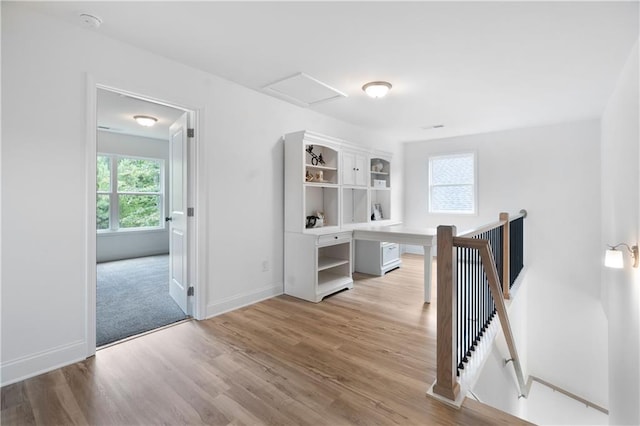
point(425, 237)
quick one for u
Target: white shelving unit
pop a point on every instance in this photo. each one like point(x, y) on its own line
point(331, 188)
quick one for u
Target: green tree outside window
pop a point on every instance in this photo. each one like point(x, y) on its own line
point(133, 192)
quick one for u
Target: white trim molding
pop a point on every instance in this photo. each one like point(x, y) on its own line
point(42, 362)
point(244, 299)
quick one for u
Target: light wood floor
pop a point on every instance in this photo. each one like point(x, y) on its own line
point(364, 356)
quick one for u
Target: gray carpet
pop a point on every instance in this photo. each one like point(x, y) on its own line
point(133, 297)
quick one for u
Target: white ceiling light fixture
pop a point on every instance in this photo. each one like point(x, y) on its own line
point(377, 89)
point(145, 120)
point(90, 21)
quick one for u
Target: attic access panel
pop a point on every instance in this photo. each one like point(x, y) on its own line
point(303, 90)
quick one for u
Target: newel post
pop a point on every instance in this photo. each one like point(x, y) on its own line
point(506, 255)
point(446, 378)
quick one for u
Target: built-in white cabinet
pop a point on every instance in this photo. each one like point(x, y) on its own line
point(317, 265)
point(330, 189)
point(354, 168)
point(376, 258)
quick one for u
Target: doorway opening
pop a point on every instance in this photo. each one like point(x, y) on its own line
point(142, 162)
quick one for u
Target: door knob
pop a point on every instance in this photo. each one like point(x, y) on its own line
point(168, 219)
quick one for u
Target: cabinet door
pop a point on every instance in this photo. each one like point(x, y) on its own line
point(354, 169)
point(348, 169)
point(360, 170)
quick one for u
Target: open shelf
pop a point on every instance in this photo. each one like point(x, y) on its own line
point(323, 199)
point(311, 166)
point(381, 198)
point(321, 164)
point(330, 262)
point(329, 282)
point(380, 173)
point(355, 206)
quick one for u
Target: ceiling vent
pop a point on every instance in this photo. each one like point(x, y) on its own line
point(303, 90)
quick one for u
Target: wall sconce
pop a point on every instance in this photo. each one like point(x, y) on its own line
point(613, 258)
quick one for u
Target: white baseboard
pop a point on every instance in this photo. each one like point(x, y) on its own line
point(412, 249)
point(244, 299)
point(41, 362)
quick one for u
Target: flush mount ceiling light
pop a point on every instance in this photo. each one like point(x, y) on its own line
point(377, 89)
point(90, 21)
point(145, 120)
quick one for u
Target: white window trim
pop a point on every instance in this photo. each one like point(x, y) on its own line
point(474, 211)
point(114, 202)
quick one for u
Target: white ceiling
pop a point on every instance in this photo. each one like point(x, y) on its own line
point(115, 113)
point(472, 66)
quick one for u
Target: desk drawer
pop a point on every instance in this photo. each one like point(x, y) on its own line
point(390, 253)
point(334, 238)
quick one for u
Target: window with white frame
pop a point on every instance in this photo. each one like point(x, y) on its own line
point(452, 183)
point(129, 193)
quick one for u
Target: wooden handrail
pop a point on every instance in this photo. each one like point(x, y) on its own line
point(477, 231)
point(447, 241)
point(502, 221)
point(571, 395)
point(496, 292)
point(522, 213)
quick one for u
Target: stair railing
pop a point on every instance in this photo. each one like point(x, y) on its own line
point(475, 273)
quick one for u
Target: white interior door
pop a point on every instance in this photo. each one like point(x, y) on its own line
point(178, 284)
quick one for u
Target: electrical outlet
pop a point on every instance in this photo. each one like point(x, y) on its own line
point(265, 266)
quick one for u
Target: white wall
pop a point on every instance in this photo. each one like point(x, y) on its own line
point(126, 245)
point(496, 384)
point(44, 66)
point(554, 173)
point(621, 223)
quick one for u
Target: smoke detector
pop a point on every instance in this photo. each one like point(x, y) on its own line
point(90, 21)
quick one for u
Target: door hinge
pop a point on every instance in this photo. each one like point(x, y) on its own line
point(191, 291)
point(191, 133)
point(190, 212)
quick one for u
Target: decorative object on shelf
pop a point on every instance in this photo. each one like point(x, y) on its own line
point(377, 167)
point(311, 221)
point(613, 258)
point(378, 183)
point(377, 212)
point(320, 176)
point(315, 221)
point(316, 159)
point(308, 177)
